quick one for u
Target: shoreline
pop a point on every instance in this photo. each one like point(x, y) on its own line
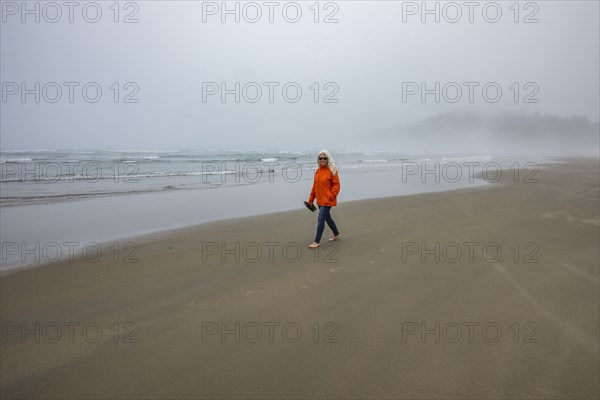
point(149, 237)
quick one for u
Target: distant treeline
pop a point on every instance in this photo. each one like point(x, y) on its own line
point(534, 123)
point(454, 131)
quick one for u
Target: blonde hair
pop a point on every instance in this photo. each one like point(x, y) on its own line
point(330, 162)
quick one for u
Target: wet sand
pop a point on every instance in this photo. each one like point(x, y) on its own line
point(488, 292)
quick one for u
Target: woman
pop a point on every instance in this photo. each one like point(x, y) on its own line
point(325, 189)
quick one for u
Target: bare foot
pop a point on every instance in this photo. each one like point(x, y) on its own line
point(333, 239)
point(313, 245)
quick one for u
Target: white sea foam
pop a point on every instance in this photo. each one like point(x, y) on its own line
point(15, 160)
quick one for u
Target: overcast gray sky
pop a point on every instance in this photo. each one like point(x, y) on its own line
point(373, 55)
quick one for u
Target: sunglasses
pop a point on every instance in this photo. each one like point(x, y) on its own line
point(322, 158)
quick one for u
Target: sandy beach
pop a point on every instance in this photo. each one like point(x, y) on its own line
point(487, 292)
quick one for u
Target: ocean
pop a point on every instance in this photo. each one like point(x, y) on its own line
point(45, 176)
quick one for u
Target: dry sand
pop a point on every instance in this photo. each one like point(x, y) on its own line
point(528, 319)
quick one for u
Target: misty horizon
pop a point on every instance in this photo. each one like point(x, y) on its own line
point(405, 126)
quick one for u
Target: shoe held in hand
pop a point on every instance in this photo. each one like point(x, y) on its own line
point(311, 207)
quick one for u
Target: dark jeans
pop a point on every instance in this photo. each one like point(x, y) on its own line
point(325, 216)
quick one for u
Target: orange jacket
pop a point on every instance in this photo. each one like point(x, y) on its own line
point(326, 187)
